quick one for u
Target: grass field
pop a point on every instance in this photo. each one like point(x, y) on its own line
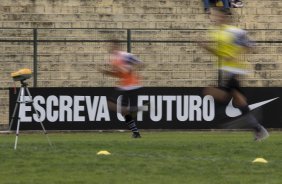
point(158, 157)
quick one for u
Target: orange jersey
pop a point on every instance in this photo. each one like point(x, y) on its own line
point(128, 78)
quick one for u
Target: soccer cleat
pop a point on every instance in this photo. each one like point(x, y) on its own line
point(237, 4)
point(261, 135)
point(136, 135)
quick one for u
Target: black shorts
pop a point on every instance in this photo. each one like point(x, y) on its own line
point(232, 83)
point(126, 97)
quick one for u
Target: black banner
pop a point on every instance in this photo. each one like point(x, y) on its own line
point(168, 108)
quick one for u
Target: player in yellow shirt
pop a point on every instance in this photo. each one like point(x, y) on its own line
point(231, 42)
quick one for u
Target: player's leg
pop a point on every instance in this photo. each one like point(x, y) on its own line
point(130, 98)
point(207, 6)
point(240, 102)
point(219, 94)
point(117, 103)
point(251, 121)
point(221, 97)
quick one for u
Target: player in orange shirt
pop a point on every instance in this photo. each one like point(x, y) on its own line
point(122, 67)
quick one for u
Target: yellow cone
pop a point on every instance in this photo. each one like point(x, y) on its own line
point(103, 152)
point(260, 160)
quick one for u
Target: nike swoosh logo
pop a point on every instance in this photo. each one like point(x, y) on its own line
point(232, 111)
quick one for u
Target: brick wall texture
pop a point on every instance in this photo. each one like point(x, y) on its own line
point(172, 63)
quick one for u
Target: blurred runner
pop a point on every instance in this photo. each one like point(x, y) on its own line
point(123, 65)
point(230, 43)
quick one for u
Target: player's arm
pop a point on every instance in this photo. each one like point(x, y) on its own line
point(245, 42)
point(139, 66)
point(134, 61)
point(227, 57)
point(108, 72)
point(209, 48)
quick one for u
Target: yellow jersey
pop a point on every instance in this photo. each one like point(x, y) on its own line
point(230, 43)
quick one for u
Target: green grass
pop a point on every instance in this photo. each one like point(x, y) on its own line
point(159, 157)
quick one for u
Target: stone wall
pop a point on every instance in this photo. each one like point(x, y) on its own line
point(173, 63)
point(130, 14)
